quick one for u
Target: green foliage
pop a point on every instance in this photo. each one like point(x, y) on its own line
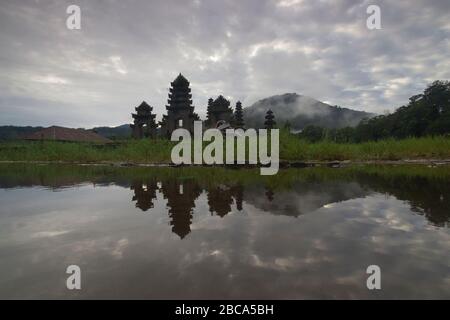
point(426, 114)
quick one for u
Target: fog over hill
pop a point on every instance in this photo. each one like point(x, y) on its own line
point(301, 111)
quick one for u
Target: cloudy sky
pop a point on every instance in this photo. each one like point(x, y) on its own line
point(129, 51)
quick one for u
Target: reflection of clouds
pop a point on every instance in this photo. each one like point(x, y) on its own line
point(119, 248)
point(49, 234)
point(248, 254)
point(106, 245)
point(303, 197)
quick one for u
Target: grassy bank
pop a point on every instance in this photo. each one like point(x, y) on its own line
point(291, 148)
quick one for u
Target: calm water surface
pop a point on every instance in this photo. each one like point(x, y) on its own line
point(175, 234)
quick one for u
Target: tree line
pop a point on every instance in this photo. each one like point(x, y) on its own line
point(426, 114)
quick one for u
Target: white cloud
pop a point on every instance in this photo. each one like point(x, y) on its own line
point(50, 79)
point(246, 50)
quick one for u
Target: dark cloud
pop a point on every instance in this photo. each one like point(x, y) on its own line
point(130, 51)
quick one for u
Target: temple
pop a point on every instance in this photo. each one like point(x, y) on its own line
point(180, 112)
point(218, 111)
point(143, 122)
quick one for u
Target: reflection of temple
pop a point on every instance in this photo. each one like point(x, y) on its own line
point(221, 197)
point(144, 194)
point(180, 197)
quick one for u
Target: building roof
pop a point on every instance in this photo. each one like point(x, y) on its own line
point(67, 134)
point(144, 106)
point(180, 80)
point(221, 104)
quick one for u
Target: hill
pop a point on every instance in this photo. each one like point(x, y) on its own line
point(18, 132)
point(120, 132)
point(301, 111)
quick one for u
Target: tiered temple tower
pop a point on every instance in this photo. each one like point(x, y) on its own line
point(143, 122)
point(180, 112)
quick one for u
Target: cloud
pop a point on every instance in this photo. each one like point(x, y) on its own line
point(246, 50)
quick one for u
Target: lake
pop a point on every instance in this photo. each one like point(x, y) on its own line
point(188, 233)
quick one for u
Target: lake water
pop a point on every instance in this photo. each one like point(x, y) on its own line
point(224, 234)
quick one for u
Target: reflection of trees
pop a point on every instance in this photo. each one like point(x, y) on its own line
point(221, 197)
point(181, 197)
point(144, 193)
point(428, 197)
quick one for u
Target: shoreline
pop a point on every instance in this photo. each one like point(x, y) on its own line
point(282, 164)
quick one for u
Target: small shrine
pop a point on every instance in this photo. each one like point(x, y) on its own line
point(144, 125)
point(218, 111)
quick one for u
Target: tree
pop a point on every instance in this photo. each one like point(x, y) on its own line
point(270, 120)
point(312, 133)
point(425, 114)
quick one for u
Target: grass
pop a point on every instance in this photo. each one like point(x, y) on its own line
point(291, 148)
point(145, 151)
point(411, 148)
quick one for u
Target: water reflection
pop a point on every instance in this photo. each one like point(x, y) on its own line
point(144, 193)
point(428, 197)
point(208, 234)
point(301, 198)
point(181, 196)
point(221, 197)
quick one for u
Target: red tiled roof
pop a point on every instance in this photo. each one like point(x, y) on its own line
point(67, 134)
